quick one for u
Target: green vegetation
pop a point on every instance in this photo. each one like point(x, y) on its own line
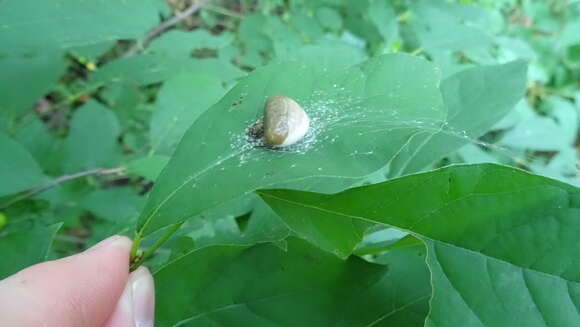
point(438, 184)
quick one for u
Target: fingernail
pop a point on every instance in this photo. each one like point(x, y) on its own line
point(143, 290)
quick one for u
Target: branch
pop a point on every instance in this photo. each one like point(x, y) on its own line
point(62, 179)
point(140, 45)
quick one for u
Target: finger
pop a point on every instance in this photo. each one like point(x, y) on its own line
point(136, 306)
point(80, 290)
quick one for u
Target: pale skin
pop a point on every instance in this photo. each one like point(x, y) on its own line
point(90, 289)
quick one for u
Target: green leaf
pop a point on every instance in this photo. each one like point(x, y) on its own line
point(35, 36)
point(92, 139)
point(153, 68)
point(329, 18)
point(25, 79)
point(476, 99)
point(37, 139)
point(244, 221)
point(118, 204)
point(29, 24)
point(361, 118)
point(439, 27)
point(18, 169)
point(332, 54)
point(179, 102)
point(25, 248)
point(149, 167)
point(544, 133)
point(501, 243)
point(181, 43)
point(266, 286)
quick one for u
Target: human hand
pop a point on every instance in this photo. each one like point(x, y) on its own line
point(89, 289)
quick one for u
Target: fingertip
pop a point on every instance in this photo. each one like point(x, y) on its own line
point(80, 290)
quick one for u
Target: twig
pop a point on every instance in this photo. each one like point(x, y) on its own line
point(140, 45)
point(224, 11)
point(62, 179)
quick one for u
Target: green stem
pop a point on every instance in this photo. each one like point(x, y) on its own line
point(135, 247)
point(149, 252)
point(224, 11)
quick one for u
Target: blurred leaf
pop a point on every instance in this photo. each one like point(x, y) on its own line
point(152, 68)
point(565, 167)
point(499, 240)
point(149, 167)
point(25, 79)
point(332, 54)
point(29, 24)
point(25, 248)
point(439, 27)
point(118, 204)
point(537, 133)
point(179, 102)
point(36, 34)
point(92, 139)
point(181, 43)
point(266, 286)
point(329, 18)
point(379, 241)
point(18, 169)
point(472, 153)
point(42, 145)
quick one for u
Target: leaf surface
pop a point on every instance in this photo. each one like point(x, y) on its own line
point(303, 286)
point(498, 239)
point(361, 117)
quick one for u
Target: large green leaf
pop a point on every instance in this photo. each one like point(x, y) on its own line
point(18, 169)
point(501, 243)
point(266, 286)
point(361, 118)
point(25, 248)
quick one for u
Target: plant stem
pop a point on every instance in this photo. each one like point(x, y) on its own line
point(133, 256)
point(224, 11)
point(62, 179)
point(140, 45)
point(149, 252)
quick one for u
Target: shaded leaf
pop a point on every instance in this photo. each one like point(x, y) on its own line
point(266, 286)
point(502, 245)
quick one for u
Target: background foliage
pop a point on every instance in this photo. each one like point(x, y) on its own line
point(106, 130)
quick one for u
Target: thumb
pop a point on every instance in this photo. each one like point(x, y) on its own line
point(80, 290)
